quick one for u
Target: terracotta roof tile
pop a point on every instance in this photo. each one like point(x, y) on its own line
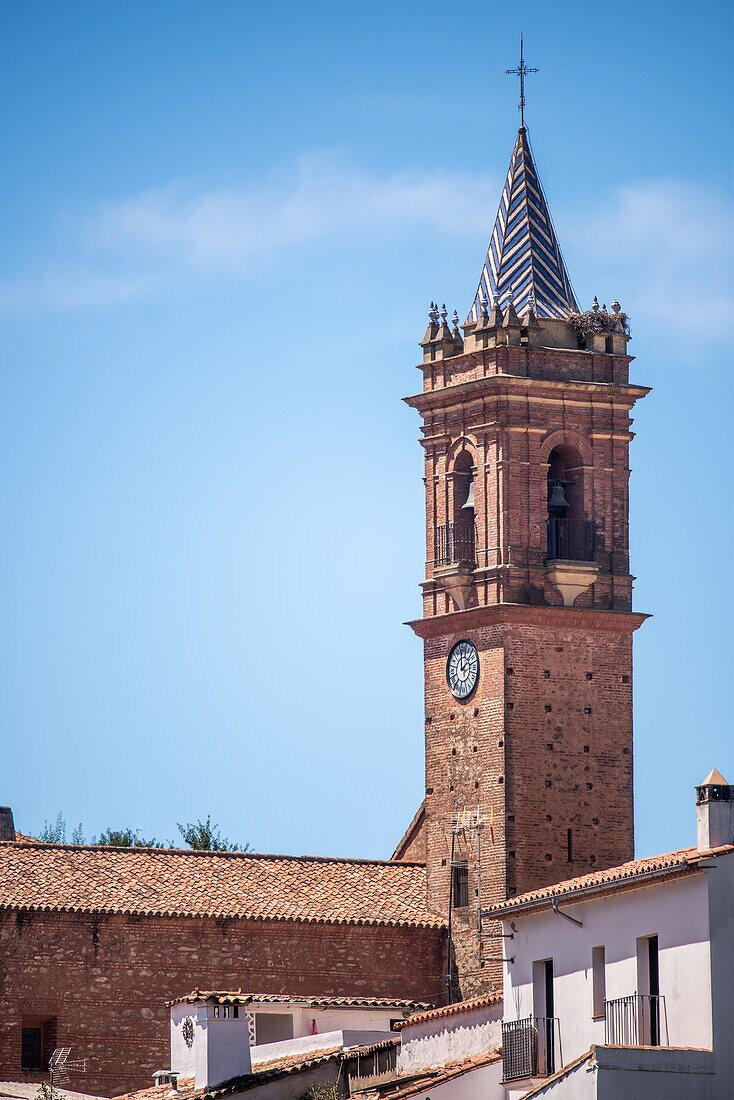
point(404, 1087)
point(265, 1071)
point(186, 1089)
point(451, 1010)
point(626, 875)
point(170, 882)
point(564, 1071)
point(225, 997)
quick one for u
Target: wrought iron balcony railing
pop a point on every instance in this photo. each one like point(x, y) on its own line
point(455, 544)
point(528, 1047)
point(570, 539)
point(635, 1021)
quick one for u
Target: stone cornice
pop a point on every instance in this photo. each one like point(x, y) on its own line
point(509, 614)
point(496, 384)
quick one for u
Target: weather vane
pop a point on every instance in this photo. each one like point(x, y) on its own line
point(522, 70)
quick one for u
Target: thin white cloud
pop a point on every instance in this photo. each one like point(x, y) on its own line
point(659, 246)
point(315, 199)
point(72, 288)
point(662, 247)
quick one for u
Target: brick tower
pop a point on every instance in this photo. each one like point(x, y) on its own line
point(527, 599)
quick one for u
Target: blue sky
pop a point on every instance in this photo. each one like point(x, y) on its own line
point(222, 226)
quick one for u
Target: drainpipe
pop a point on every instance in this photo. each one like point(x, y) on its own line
point(566, 915)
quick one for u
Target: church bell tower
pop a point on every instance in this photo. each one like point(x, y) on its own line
point(527, 598)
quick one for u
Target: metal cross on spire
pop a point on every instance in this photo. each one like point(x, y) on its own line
point(522, 70)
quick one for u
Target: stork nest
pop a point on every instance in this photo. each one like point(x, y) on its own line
point(598, 320)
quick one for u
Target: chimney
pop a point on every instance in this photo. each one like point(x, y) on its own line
point(714, 812)
point(7, 826)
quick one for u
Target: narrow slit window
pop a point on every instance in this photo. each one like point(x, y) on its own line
point(599, 982)
point(461, 884)
point(569, 845)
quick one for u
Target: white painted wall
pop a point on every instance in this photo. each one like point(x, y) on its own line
point(478, 1084)
point(183, 1056)
point(335, 1019)
point(449, 1038)
point(629, 1074)
point(325, 1040)
point(220, 1050)
point(721, 917)
point(677, 911)
point(221, 1046)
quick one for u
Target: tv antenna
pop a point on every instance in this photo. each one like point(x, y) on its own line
point(60, 1066)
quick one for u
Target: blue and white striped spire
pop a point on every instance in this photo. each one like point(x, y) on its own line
point(524, 260)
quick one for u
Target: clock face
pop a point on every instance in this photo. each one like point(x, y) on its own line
point(462, 670)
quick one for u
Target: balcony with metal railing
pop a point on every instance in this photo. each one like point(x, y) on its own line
point(639, 1020)
point(570, 539)
point(528, 1047)
point(455, 543)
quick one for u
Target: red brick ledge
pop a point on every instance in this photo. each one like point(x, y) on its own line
point(564, 618)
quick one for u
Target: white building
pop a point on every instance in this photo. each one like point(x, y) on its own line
point(619, 983)
point(217, 1036)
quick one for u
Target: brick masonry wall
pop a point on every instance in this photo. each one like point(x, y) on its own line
point(413, 846)
point(568, 722)
point(106, 978)
point(543, 745)
point(521, 397)
point(545, 741)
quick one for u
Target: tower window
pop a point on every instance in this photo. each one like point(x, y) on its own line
point(569, 845)
point(570, 536)
point(31, 1057)
point(38, 1040)
point(460, 886)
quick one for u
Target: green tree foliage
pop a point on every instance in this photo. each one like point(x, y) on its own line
point(323, 1090)
point(47, 1091)
point(204, 837)
point(56, 833)
point(126, 838)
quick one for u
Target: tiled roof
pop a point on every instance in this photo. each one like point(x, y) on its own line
point(451, 1010)
point(626, 875)
point(524, 259)
point(265, 1071)
point(186, 1089)
point(229, 997)
point(403, 1087)
point(560, 1074)
point(169, 882)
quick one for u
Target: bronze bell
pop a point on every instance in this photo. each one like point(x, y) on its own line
point(557, 497)
point(469, 502)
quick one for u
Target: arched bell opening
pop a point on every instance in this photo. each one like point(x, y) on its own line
point(570, 533)
point(455, 540)
point(463, 488)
